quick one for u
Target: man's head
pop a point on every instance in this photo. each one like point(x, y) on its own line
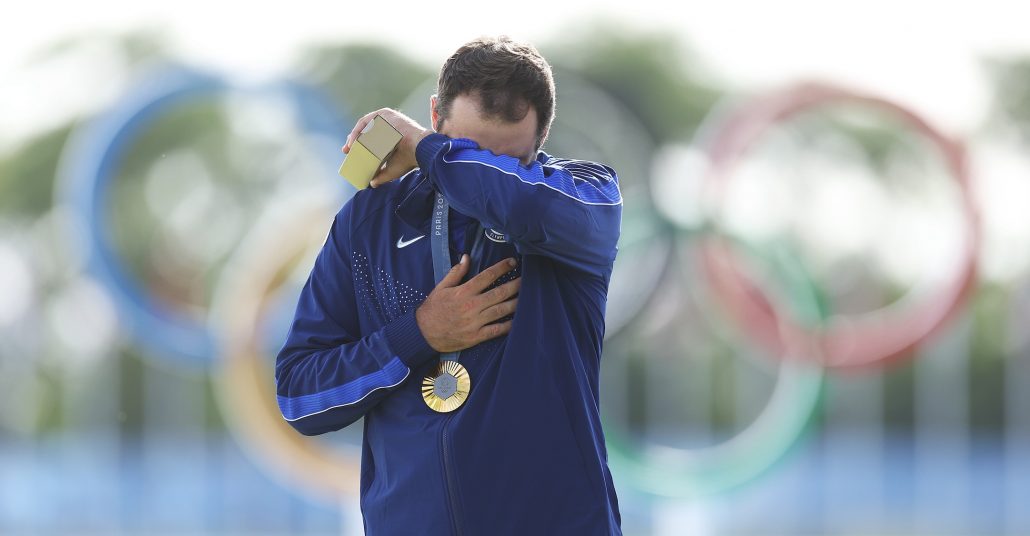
point(497, 92)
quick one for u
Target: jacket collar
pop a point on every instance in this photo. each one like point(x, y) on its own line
point(415, 196)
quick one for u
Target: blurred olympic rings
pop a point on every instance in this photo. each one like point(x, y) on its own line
point(779, 425)
point(294, 227)
point(285, 237)
point(872, 338)
point(90, 162)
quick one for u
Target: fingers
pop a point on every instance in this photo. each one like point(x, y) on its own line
point(454, 275)
point(500, 293)
point(492, 331)
point(487, 277)
point(500, 310)
point(359, 127)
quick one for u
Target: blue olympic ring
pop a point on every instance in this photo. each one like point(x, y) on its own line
point(90, 163)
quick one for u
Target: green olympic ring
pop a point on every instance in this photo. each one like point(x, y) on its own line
point(696, 472)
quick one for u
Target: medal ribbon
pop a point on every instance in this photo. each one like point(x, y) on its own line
point(441, 250)
point(439, 244)
point(448, 387)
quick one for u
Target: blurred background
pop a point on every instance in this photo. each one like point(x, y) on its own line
point(817, 322)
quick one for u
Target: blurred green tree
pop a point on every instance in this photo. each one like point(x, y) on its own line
point(651, 73)
point(362, 77)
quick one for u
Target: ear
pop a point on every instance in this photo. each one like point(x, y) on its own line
point(543, 138)
point(433, 118)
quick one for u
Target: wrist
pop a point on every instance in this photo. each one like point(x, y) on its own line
point(429, 147)
point(405, 339)
point(412, 140)
point(420, 323)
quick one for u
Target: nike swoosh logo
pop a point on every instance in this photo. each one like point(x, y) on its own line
point(404, 243)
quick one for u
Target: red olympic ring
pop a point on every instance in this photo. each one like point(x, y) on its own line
point(877, 337)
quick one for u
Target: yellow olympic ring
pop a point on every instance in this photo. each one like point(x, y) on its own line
point(283, 238)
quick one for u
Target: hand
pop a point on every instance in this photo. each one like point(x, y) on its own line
point(403, 158)
point(456, 316)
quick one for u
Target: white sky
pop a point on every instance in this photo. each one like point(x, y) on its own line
point(927, 55)
point(922, 53)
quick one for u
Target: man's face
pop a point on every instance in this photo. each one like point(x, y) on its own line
point(494, 134)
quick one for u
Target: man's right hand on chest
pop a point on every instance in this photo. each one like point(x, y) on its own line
point(458, 315)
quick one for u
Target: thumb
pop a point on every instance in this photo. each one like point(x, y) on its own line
point(392, 170)
point(454, 275)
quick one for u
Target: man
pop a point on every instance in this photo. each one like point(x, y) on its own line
point(504, 436)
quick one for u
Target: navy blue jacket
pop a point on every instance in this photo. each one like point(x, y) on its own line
point(525, 454)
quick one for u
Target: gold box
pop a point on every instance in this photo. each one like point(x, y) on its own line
point(374, 145)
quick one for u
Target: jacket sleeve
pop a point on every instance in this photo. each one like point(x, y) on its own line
point(569, 210)
point(327, 374)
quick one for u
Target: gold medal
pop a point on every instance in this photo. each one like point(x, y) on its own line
point(448, 389)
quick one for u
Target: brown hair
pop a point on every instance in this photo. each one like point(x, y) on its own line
point(508, 77)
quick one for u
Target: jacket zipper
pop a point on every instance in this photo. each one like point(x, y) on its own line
point(449, 483)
